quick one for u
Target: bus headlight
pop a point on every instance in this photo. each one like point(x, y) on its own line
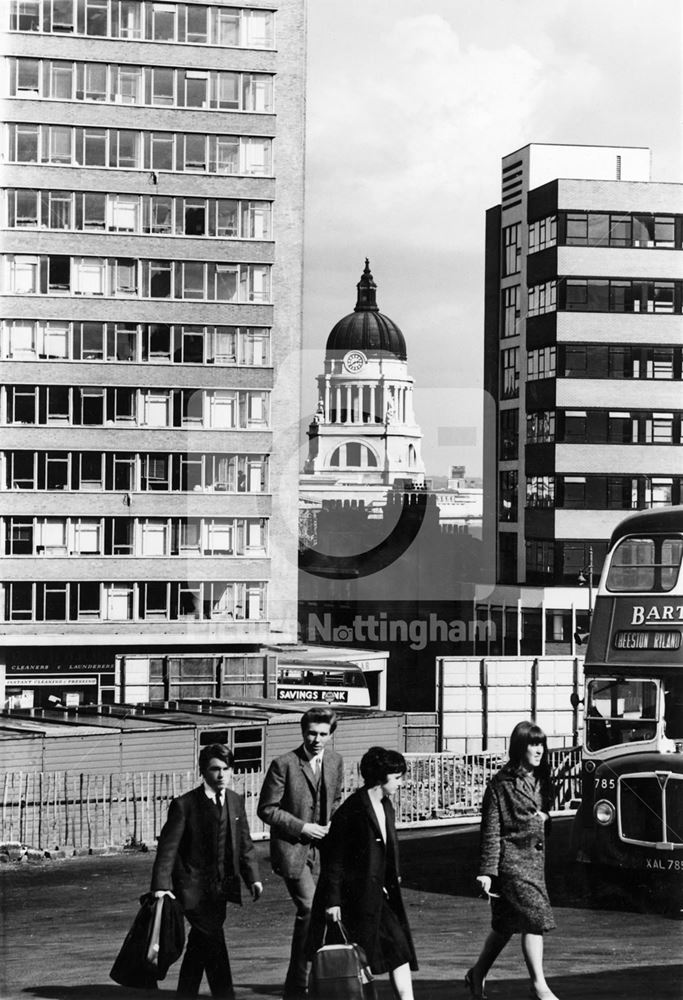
point(603, 812)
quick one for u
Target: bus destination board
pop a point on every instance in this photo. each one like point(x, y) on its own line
point(658, 639)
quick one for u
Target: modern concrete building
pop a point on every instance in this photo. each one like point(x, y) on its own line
point(152, 215)
point(583, 345)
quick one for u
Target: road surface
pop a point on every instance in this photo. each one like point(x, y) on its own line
point(62, 923)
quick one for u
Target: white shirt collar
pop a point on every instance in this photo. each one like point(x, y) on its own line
point(210, 793)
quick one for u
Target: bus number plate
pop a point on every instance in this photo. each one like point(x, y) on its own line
point(647, 640)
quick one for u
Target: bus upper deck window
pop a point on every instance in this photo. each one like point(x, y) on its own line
point(645, 565)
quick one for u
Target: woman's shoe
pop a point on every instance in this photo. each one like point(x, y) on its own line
point(469, 983)
point(545, 995)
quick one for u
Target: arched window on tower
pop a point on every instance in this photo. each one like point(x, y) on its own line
point(412, 456)
point(353, 455)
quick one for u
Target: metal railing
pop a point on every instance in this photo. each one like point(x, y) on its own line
point(63, 809)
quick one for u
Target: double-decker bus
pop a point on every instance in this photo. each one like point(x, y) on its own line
point(332, 683)
point(631, 813)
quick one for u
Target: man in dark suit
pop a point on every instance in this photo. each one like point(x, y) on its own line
point(203, 849)
point(301, 791)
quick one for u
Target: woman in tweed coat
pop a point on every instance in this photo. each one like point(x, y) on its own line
point(513, 827)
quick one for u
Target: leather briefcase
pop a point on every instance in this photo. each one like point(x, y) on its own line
point(340, 972)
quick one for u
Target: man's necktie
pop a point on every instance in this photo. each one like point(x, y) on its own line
point(219, 802)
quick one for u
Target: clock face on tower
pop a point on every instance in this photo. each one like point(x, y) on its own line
point(354, 361)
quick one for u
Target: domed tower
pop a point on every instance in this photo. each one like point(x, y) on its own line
point(364, 429)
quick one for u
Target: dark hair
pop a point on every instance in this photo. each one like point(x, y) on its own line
point(320, 713)
point(378, 763)
point(215, 750)
point(527, 734)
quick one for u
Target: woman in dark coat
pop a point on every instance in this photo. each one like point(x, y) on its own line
point(513, 827)
point(359, 882)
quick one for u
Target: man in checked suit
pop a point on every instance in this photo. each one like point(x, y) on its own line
point(203, 848)
point(301, 791)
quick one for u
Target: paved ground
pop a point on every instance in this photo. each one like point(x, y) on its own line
point(62, 923)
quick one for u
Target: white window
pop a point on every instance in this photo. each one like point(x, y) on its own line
point(256, 217)
point(87, 536)
point(222, 409)
point(24, 275)
point(157, 409)
point(257, 28)
point(257, 92)
point(118, 601)
point(255, 283)
point(22, 340)
point(257, 472)
point(255, 601)
point(226, 159)
point(258, 413)
point(219, 538)
point(124, 213)
point(224, 350)
point(256, 156)
point(56, 340)
point(53, 537)
point(89, 276)
point(154, 538)
point(256, 534)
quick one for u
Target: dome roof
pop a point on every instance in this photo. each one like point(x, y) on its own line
point(366, 329)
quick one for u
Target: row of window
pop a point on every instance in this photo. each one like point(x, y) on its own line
point(131, 472)
point(604, 229)
point(31, 340)
point(147, 20)
point(132, 149)
point(602, 492)
point(541, 363)
point(152, 86)
point(590, 426)
point(583, 492)
point(612, 361)
point(561, 561)
point(97, 406)
point(620, 427)
point(632, 295)
point(208, 281)
point(619, 361)
point(588, 229)
point(134, 602)
point(127, 536)
point(161, 215)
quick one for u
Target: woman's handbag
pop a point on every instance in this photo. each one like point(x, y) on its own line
point(340, 971)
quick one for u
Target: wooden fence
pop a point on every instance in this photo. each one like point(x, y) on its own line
point(63, 809)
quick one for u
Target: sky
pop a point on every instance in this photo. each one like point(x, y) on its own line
point(410, 108)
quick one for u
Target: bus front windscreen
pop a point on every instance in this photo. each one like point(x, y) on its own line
point(620, 711)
